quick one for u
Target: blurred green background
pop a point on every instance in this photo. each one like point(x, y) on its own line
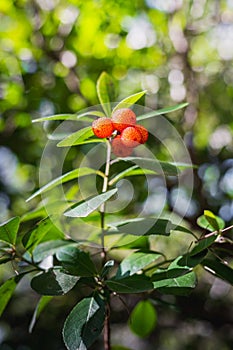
point(51, 54)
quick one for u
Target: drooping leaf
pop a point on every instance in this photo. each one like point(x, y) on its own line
point(154, 165)
point(129, 101)
point(43, 302)
point(89, 205)
point(210, 222)
point(6, 291)
point(162, 111)
point(143, 319)
point(146, 226)
point(73, 174)
point(106, 92)
point(84, 324)
point(9, 230)
point(70, 116)
point(76, 262)
point(82, 136)
point(136, 262)
point(53, 282)
point(130, 284)
point(45, 249)
point(219, 269)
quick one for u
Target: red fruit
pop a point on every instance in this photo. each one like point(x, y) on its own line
point(143, 131)
point(102, 127)
point(119, 149)
point(131, 137)
point(123, 118)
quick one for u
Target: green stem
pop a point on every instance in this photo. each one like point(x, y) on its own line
point(103, 206)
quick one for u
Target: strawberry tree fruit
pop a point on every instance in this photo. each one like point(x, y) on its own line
point(143, 131)
point(131, 137)
point(102, 127)
point(119, 149)
point(122, 118)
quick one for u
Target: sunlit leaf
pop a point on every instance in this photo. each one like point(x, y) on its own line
point(180, 285)
point(84, 324)
point(6, 291)
point(9, 230)
point(82, 136)
point(210, 222)
point(89, 205)
point(129, 101)
point(70, 116)
point(105, 91)
point(162, 111)
point(143, 319)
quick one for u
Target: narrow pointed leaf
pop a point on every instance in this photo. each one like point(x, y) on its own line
point(6, 291)
point(53, 282)
point(203, 244)
point(105, 91)
point(89, 205)
point(43, 302)
point(136, 262)
point(162, 111)
point(74, 174)
point(130, 284)
point(131, 171)
point(70, 116)
point(129, 101)
point(84, 324)
point(152, 164)
point(143, 319)
point(9, 230)
point(219, 269)
point(76, 262)
point(82, 136)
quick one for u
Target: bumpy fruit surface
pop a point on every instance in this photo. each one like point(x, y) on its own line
point(122, 118)
point(143, 131)
point(102, 127)
point(131, 137)
point(119, 149)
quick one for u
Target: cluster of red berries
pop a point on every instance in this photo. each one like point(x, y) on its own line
point(125, 134)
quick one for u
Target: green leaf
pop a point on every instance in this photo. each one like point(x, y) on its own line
point(143, 319)
point(9, 230)
point(210, 222)
point(74, 174)
point(136, 262)
point(76, 262)
point(129, 101)
point(89, 205)
point(145, 226)
point(107, 267)
point(43, 302)
point(130, 242)
point(6, 291)
point(130, 284)
point(45, 249)
point(203, 244)
point(158, 167)
point(53, 282)
point(80, 137)
point(181, 285)
point(105, 91)
point(162, 111)
point(33, 237)
point(219, 269)
point(84, 324)
point(70, 116)
point(132, 171)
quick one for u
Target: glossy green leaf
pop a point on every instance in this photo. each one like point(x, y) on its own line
point(43, 302)
point(136, 262)
point(203, 244)
point(80, 137)
point(210, 222)
point(219, 269)
point(53, 282)
point(129, 101)
point(146, 226)
point(6, 291)
point(154, 165)
point(180, 285)
point(74, 174)
point(107, 267)
point(162, 111)
point(76, 262)
point(131, 171)
point(70, 116)
point(89, 205)
point(143, 319)
point(105, 91)
point(130, 284)
point(84, 324)
point(9, 230)
point(35, 236)
point(131, 242)
point(45, 249)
